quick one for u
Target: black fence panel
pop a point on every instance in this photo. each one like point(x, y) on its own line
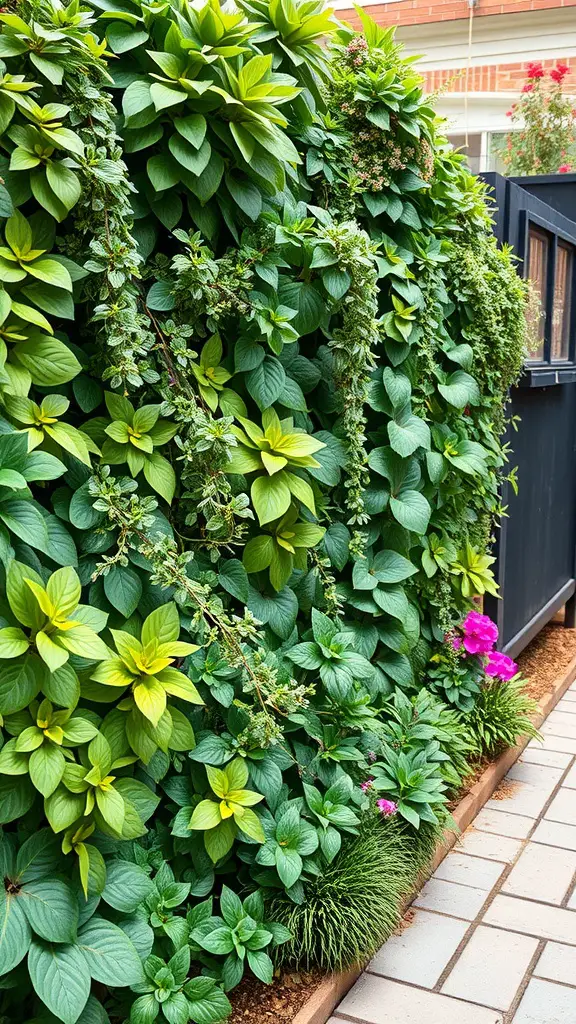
point(536, 545)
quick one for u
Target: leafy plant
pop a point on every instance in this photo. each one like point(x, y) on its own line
point(221, 821)
point(241, 934)
point(501, 716)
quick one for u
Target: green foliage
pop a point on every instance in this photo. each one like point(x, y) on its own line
point(241, 505)
point(501, 716)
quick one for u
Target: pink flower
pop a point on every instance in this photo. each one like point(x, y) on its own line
point(457, 643)
point(535, 70)
point(480, 633)
point(501, 666)
point(564, 169)
point(528, 87)
point(508, 113)
point(365, 786)
point(387, 807)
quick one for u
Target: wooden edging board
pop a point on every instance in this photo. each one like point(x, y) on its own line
point(319, 1007)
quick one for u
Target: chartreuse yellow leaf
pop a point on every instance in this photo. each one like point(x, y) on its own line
point(234, 803)
point(59, 624)
point(145, 665)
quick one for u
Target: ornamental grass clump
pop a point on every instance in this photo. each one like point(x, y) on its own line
point(245, 504)
point(358, 903)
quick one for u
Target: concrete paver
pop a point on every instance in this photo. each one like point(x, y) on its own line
point(546, 1003)
point(542, 872)
point(449, 898)
point(557, 963)
point(380, 1001)
point(491, 968)
point(420, 952)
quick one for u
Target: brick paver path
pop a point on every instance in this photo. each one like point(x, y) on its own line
point(492, 938)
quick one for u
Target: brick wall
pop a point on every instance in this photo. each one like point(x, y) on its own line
point(493, 77)
point(417, 12)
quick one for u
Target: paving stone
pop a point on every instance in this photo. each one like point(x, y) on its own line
point(558, 963)
point(542, 872)
point(568, 706)
point(570, 780)
point(517, 915)
point(380, 1001)
point(503, 824)
point(537, 775)
point(552, 742)
point(570, 694)
point(559, 726)
point(521, 799)
point(538, 755)
point(490, 969)
point(449, 898)
point(563, 807)
point(546, 1003)
point(572, 905)
point(559, 717)
point(474, 871)
point(421, 951)
point(485, 844)
point(554, 833)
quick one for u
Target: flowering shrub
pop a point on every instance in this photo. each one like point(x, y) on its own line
point(546, 140)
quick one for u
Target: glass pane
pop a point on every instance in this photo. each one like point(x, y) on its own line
point(471, 151)
point(562, 303)
point(537, 266)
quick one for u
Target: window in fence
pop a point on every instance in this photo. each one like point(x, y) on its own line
point(550, 269)
point(562, 308)
point(537, 273)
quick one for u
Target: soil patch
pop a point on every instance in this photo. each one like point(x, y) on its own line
point(546, 658)
point(256, 1003)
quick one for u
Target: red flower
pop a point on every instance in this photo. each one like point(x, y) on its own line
point(508, 113)
point(528, 87)
point(564, 169)
point(535, 70)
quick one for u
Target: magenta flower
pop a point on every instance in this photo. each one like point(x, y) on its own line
point(480, 633)
point(501, 666)
point(387, 807)
point(365, 786)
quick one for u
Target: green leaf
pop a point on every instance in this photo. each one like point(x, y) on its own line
point(110, 955)
point(192, 128)
point(163, 172)
point(266, 382)
point(20, 683)
point(160, 476)
point(123, 588)
point(161, 297)
point(460, 389)
point(48, 360)
point(188, 156)
point(46, 767)
point(15, 933)
point(408, 435)
point(270, 497)
point(51, 908)
point(60, 978)
point(233, 577)
point(261, 965)
point(411, 510)
point(127, 886)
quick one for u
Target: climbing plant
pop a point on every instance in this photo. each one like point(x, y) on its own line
point(256, 345)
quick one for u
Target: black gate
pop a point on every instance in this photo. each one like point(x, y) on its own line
point(536, 546)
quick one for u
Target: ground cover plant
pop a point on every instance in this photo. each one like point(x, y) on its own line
point(256, 343)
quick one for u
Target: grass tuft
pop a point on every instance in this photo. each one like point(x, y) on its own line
point(357, 904)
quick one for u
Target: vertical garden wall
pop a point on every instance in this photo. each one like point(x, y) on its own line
point(256, 345)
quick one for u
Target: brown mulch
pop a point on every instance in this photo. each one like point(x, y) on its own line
point(546, 658)
point(256, 1003)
